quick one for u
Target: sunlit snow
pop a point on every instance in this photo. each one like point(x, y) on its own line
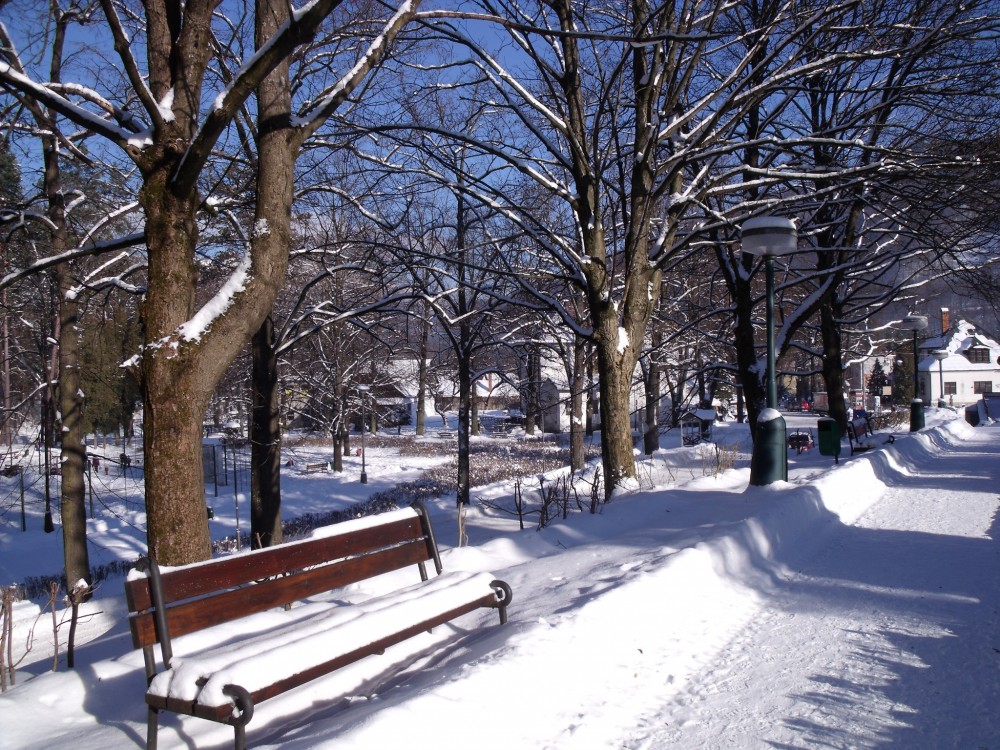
point(854, 606)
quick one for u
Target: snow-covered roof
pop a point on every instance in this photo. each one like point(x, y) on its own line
point(488, 386)
point(404, 375)
point(705, 415)
point(957, 341)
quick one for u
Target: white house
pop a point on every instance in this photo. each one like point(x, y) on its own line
point(969, 368)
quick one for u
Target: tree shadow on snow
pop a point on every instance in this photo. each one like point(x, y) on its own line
point(929, 675)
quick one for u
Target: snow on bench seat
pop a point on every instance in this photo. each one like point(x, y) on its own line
point(339, 630)
point(258, 624)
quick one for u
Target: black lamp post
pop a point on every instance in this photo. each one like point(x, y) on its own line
point(363, 389)
point(941, 355)
point(769, 236)
point(915, 323)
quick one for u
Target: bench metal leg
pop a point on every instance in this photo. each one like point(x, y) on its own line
point(504, 596)
point(152, 725)
point(244, 708)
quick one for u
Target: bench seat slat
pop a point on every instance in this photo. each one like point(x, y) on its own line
point(282, 658)
point(266, 647)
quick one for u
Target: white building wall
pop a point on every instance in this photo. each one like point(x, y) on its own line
point(956, 367)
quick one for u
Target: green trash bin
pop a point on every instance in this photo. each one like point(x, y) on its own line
point(828, 432)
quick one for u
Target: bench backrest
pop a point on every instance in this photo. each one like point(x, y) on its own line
point(216, 591)
point(858, 428)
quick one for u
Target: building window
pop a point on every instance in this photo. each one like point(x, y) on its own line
point(982, 386)
point(950, 389)
point(979, 356)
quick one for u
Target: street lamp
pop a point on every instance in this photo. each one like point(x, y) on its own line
point(915, 323)
point(769, 236)
point(941, 355)
point(363, 389)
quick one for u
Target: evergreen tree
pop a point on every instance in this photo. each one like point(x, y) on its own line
point(902, 375)
point(111, 392)
point(877, 380)
point(10, 178)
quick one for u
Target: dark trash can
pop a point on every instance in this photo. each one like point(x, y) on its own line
point(828, 433)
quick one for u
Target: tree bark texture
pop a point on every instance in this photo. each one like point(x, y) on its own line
point(265, 440)
point(272, 231)
point(578, 384)
point(465, 387)
point(74, 450)
point(833, 370)
point(180, 366)
point(651, 433)
point(619, 284)
point(421, 406)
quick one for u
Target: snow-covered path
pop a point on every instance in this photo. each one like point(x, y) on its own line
point(888, 637)
point(857, 606)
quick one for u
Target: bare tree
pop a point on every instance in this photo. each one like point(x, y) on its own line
point(67, 332)
point(187, 350)
point(630, 118)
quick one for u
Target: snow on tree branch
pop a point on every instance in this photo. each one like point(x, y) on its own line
point(311, 119)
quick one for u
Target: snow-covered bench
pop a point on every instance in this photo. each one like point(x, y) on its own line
point(859, 430)
point(314, 467)
point(275, 646)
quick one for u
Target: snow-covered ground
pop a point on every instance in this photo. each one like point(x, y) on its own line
point(857, 606)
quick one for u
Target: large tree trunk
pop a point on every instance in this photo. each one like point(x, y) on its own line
point(275, 181)
point(651, 433)
point(464, 415)
point(175, 390)
point(179, 373)
point(5, 362)
point(833, 369)
point(74, 451)
point(616, 363)
point(174, 399)
point(422, 372)
point(265, 441)
point(578, 384)
point(185, 359)
point(618, 285)
point(531, 367)
point(748, 366)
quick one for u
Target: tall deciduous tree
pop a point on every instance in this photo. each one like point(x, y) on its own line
point(630, 116)
point(10, 199)
point(66, 384)
point(171, 139)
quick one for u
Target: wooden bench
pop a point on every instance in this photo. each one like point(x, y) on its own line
point(314, 467)
point(858, 429)
point(281, 646)
point(447, 435)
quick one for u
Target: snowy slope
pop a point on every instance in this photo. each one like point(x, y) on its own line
point(856, 606)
